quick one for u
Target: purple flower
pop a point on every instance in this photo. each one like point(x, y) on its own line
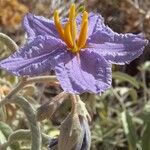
point(80, 50)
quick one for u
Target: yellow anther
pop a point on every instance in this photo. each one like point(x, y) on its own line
point(72, 21)
point(73, 28)
point(67, 35)
point(83, 35)
point(72, 13)
point(84, 17)
point(58, 24)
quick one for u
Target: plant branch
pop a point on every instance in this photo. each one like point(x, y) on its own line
point(34, 125)
point(74, 104)
point(8, 42)
point(24, 81)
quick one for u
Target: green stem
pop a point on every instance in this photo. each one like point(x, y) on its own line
point(144, 85)
point(8, 42)
point(120, 99)
point(34, 125)
point(24, 81)
point(73, 103)
point(81, 108)
point(24, 135)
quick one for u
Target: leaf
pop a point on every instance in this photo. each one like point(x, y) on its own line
point(29, 90)
point(81, 109)
point(126, 91)
point(19, 135)
point(47, 110)
point(129, 130)
point(146, 135)
point(30, 114)
point(2, 138)
point(124, 77)
point(6, 130)
point(133, 93)
point(25, 135)
point(145, 66)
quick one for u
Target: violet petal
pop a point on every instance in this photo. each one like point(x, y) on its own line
point(117, 48)
point(35, 57)
point(38, 25)
point(87, 72)
point(95, 23)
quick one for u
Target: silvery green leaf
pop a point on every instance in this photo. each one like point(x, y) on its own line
point(130, 131)
point(45, 111)
point(125, 77)
point(81, 109)
point(6, 131)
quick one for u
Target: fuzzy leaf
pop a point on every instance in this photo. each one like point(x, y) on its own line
point(124, 77)
point(129, 130)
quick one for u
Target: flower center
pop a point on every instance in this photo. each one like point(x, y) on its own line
point(68, 33)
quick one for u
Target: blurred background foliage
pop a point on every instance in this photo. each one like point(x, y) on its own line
point(121, 115)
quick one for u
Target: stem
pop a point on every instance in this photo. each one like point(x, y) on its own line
point(119, 99)
point(41, 79)
point(74, 104)
point(144, 84)
point(8, 42)
point(34, 126)
point(24, 135)
point(24, 81)
point(18, 87)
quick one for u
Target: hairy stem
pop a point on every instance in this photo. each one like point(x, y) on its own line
point(34, 125)
point(24, 135)
point(8, 42)
point(24, 81)
point(73, 103)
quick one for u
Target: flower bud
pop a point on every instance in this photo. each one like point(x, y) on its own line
point(74, 134)
point(74, 130)
point(70, 131)
point(84, 140)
